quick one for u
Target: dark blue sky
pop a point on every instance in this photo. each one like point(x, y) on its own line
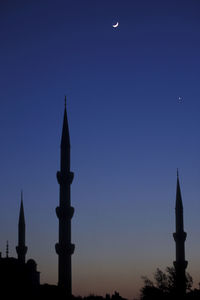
point(129, 133)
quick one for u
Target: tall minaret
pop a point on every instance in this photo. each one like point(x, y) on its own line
point(180, 236)
point(21, 248)
point(65, 211)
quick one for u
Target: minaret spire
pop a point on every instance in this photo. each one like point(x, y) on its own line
point(65, 101)
point(65, 211)
point(180, 236)
point(21, 248)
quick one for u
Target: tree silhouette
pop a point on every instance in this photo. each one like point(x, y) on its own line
point(163, 286)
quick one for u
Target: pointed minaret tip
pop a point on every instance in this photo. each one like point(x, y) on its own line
point(21, 212)
point(177, 175)
point(178, 193)
point(65, 101)
point(65, 140)
point(21, 196)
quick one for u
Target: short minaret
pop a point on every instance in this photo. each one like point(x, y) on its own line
point(180, 236)
point(21, 248)
point(65, 211)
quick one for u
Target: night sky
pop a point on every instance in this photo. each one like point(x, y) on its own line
point(129, 131)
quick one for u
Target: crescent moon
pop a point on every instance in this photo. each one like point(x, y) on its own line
point(116, 25)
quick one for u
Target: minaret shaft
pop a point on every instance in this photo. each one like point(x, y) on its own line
point(64, 211)
point(21, 235)
point(179, 220)
point(65, 159)
point(180, 236)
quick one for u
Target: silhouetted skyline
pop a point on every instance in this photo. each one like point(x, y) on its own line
point(21, 278)
point(129, 133)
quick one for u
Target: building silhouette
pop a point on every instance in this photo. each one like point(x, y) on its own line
point(18, 277)
point(65, 211)
point(180, 264)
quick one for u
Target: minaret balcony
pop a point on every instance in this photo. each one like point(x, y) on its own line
point(65, 249)
point(180, 265)
point(66, 213)
point(21, 250)
point(65, 178)
point(180, 236)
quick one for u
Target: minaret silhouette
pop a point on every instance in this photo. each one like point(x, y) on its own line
point(65, 211)
point(180, 236)
point(21, 248)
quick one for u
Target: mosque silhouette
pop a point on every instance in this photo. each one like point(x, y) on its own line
point(19, 278)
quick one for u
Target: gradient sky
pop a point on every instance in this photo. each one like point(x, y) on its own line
point(129, 133)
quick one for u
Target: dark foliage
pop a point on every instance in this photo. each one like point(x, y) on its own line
point(163, 286)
